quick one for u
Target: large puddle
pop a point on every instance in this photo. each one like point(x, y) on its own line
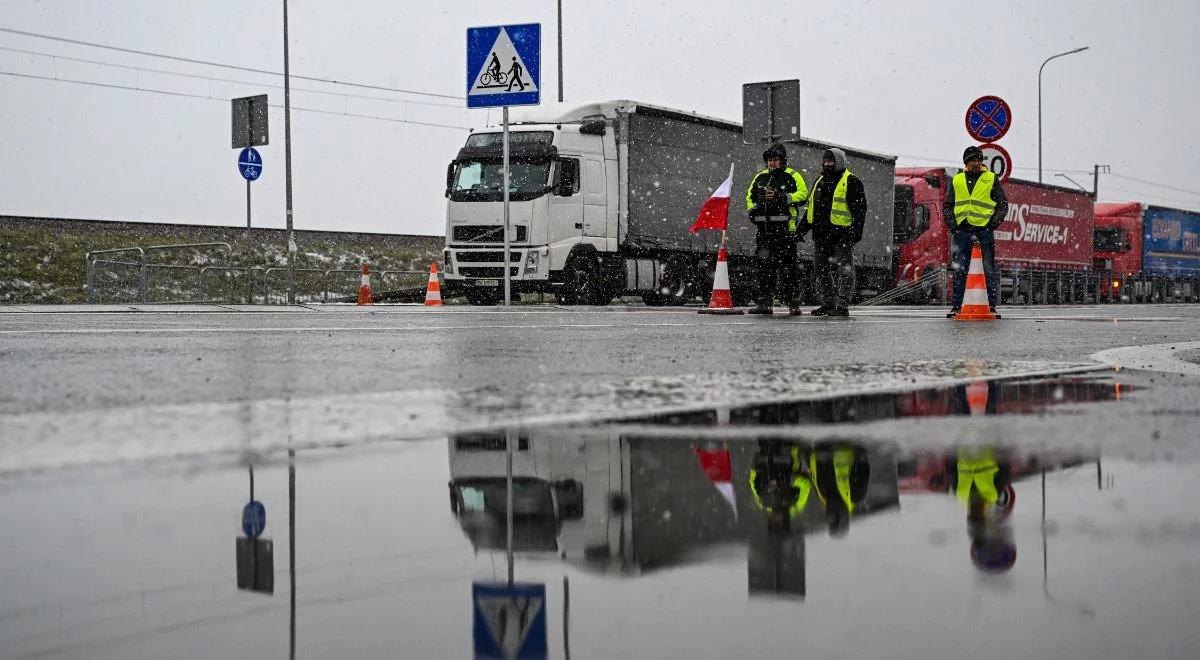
point(607, 541)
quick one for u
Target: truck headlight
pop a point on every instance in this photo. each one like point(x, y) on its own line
point(531, 262)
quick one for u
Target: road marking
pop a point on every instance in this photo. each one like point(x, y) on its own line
point(1153, 357)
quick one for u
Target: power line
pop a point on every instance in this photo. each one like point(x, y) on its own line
point(221, 64)
point(224, 80)
point(1157, 185)
point(212, 98)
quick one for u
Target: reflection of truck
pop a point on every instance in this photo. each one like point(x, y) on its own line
point(637, 503)
point(602, 197)
point(1147, 253)
point(1044, 245)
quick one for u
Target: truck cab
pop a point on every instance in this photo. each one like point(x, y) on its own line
point(922, 242)
point(1117, 245)
point(562, 195)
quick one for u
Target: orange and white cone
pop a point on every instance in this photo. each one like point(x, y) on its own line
point(433, 293)
point(721, 300)
point(975, 305)
point(364, 287)
point(977, 398)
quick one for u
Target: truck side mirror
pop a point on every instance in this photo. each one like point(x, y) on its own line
point(568, 177)
point(449, 178)
point(569, 494)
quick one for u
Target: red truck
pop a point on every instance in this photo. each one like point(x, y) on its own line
point(1146, 253)
point(1043, 247)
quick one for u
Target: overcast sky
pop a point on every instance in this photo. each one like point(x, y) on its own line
point(892, 77)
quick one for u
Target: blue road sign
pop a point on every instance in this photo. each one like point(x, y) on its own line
point(254, 519)
point(250, 163)
point(510, 621)
point(504, 65)
point(988, 118)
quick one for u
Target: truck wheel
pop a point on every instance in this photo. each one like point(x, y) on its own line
point(484, 296)
point(585, 282)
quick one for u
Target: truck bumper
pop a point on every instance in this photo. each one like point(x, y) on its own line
point(483, 267)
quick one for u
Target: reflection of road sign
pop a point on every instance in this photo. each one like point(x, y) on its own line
point(504, 65)
point(250, 163)
point(250, 121)
point(996, 159)
point(510, 621)
point(771, 112)
point(254, 518)
point(988, 118)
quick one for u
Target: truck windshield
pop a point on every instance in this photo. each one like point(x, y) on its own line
point(482, 180)
point(1108, 240)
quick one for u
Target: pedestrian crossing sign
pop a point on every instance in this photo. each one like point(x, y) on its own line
point(504, 65)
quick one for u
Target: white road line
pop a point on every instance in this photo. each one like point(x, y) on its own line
point(1153, 357)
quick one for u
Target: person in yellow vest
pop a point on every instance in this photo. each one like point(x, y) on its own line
point(773, 201)
point(980, 479)
point(779, 483)
point(840, 474)
point(837, 213)
point(974, 207)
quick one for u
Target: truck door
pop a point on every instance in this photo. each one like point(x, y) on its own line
point(566, 203)
point(595, 202)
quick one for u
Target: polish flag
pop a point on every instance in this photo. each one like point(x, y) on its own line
point(716, 466)
point(715, 212)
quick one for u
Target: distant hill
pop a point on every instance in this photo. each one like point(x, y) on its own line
point(42, 260)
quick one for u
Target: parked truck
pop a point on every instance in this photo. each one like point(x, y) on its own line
point(602, 197)
point(1147, 253)
point(1043, 247)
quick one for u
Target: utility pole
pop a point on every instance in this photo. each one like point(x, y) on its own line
point(1096, 179)
point(287, 163)
point(560, 67)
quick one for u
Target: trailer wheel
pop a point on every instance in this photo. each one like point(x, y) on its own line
point(585, 283)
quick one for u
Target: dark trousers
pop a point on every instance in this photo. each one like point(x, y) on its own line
point(960, 262)
point(833, 267)
point(777, 266)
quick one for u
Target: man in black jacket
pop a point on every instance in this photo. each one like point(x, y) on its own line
point(773, 200)
point(837, 213)
point(974, 207)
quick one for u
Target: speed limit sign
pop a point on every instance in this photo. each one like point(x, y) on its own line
point(996, 159)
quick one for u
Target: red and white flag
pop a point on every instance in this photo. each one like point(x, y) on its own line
point(715, 212)
point(719, 470)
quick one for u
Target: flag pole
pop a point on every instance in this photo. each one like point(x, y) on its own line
point(726, 229)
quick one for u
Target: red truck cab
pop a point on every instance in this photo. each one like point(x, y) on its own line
point(1117, 243)
point(921, 239)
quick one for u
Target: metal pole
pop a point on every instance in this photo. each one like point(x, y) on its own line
point(507, 270)
point(1070, 52)
point(87, 269)
point(247, 203)
point(292, 548)
point(560, 66)
point(287, 161)
point(566, 619)
point(142, 279)
point(508, 505)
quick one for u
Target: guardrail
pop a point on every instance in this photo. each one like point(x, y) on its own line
point(143, 264)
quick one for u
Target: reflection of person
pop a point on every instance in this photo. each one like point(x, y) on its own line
point(837, 214)
point(982, 481)
point(840, 474)
point(779, 483)
point(973, 208)
point(773, 200)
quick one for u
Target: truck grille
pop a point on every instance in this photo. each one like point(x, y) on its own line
point(493, 257)
point(493, 272)
point(486, 234)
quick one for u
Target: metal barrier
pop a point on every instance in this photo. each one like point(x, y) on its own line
point(143, 265)
point(89, 265)
point(249, 270)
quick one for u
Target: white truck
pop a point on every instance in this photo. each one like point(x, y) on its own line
point(602, 197)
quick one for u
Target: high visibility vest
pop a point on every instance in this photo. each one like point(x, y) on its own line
point(978, 470)
point(839, 211)
point(800, 483)
point(843, 461)
point(975, 206)
point(795, 198)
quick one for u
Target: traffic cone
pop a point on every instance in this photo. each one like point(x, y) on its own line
point(721, 300)
point(364, 288)
point(975, 305)
point(977, 398)
point(433, 294)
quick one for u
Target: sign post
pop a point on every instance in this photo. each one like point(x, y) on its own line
point(504, 69)
point(771, 112)
point(250, 129)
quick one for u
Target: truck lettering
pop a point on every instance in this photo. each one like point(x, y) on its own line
point(1031, 232)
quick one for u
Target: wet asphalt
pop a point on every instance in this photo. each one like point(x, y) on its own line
point(129, 440)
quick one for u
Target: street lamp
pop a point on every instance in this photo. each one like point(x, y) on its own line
point(1069, 52)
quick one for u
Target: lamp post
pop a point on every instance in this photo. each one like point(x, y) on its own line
point(1069, 52)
